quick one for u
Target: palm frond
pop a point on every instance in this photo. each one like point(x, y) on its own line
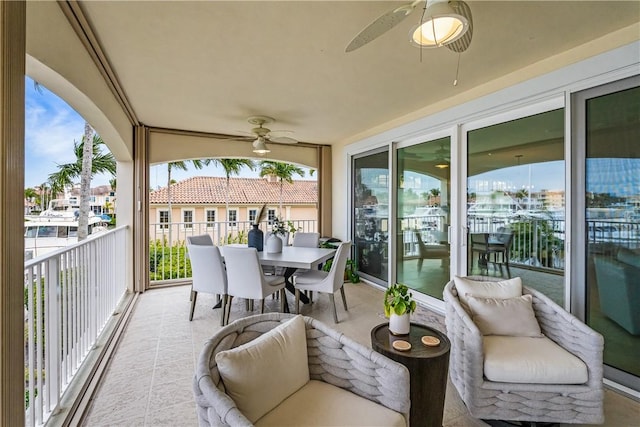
point(261, 214)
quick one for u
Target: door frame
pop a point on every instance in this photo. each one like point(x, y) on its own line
point(577, 247)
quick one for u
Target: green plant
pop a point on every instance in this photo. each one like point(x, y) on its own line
point(398, 300)
point(279, 227)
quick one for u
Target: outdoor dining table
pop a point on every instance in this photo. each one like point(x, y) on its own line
point(293, 258)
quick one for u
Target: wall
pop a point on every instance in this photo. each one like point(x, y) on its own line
point(615, 54)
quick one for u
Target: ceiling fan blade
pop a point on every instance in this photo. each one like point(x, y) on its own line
point(463, 42)
point(381, 25)
point(283, 140)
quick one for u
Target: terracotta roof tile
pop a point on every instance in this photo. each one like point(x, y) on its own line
point(212, 190)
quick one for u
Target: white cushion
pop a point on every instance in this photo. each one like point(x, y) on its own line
point(322, 404)
point(501, 289)
point(511, 316)
point(262, 373)
point(310, 277)
point(531, 361)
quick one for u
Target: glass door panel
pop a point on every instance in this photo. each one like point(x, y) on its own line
point(424, 183)
point(371, 215)
point(516, 201)
point(612, 216)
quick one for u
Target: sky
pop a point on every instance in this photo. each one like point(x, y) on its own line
point(52, 126)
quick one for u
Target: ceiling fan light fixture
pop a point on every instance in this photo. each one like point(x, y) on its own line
point(259, 147)
point(441, 26)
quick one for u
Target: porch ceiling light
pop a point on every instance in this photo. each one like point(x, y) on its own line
point(259, 147)
point(442, 164)
point(440, 26)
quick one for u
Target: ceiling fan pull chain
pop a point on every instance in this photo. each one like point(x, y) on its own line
point(455, 82)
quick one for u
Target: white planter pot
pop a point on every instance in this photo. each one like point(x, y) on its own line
point(399, 325)
point(274, 244)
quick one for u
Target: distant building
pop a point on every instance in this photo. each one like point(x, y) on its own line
point(199, 202)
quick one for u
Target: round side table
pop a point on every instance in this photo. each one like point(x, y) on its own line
point(428, 369)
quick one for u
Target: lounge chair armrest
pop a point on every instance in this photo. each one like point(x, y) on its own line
point(570, 333)
point(338, 360)
point(467, 354)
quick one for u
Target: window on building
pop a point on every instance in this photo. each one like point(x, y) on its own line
point(253, 213)
point(211, 218)
point(271, 215)
point(232, 217)
point(163, 219)
point(187, 218)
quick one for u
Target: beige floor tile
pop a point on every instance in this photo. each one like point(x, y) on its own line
point(149, 380)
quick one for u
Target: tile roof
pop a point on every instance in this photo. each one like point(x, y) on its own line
point(212, 190)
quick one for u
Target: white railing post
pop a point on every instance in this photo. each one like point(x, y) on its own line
point(52, 336)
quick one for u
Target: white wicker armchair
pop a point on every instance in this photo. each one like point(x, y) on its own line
point(578, 404)
point(333, 358)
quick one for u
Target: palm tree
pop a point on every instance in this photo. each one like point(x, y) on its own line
point(198, 164)
point(283, 171)
point(99, 163)
point(85, 182)
point(232, 167)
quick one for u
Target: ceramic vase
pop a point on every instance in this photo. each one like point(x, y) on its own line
point(255, 238)
point(399, 324)
point(274, 244)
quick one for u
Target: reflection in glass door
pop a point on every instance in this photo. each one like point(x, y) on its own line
point(611, 223)
point(371, 215)
point(424, 185)
point(516, 201)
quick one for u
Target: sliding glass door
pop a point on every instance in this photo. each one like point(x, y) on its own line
point(516, 201)
point(607, 149)
point(371, 214)
point(423, 216)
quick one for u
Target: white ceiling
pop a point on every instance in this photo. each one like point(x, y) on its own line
point(207, 66)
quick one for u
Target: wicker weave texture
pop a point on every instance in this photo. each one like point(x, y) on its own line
point(578, 404)
point(333, 358)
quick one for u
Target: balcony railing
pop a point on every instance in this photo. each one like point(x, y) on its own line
point(70, 295)
point(538, 242)
point(168, 262)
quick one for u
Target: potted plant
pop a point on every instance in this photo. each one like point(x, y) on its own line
point(398, 305)
point(279, 233)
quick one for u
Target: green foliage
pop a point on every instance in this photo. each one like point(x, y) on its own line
point(241, 237)
point(526, 232)
point(279, 227)
point(399, 300)
point(350, 270)
point(168, 262)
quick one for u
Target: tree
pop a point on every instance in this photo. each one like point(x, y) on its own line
point(232, 167)
point(434, 193)
point(283, 171)
point(85, 182)
point(198, 164)
point(99, 162)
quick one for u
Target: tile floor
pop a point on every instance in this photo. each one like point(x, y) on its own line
point(148, 380)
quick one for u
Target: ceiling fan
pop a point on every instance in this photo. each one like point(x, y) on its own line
point(262, 135)
point(443, 23)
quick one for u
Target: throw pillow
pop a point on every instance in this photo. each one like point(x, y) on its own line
point(262, 373)
point(513, 316)
point(501, 289)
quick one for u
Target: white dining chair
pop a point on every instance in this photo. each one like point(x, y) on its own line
point(306, 240)
point(201, 239)
point(247, 280)
point(325, 282)
point(208, 274)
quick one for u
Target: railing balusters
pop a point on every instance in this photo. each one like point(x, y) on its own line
point(71, 295)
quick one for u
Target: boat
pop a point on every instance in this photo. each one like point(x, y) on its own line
point(57, 227)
